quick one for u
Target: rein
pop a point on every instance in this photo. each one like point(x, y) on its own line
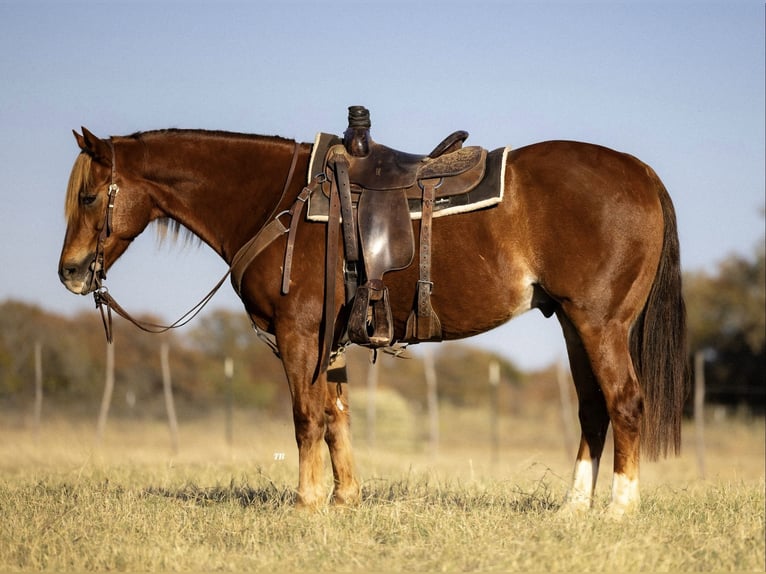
point(105, 303)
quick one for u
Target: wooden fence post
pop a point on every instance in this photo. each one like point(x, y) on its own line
point(38, 385)
point(699, 410)
point(494, 384)
point(168, 391)
point(228, 371)
point(106, 399)
point(433, 400)
point(372, 385)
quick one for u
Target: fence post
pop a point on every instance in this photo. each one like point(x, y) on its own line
point(433, 400)
point(106, 399)
point(372, 385)
point(494, 384)
point(699, 410)
point(38, 385)
point(168, 391)
point(228, 371)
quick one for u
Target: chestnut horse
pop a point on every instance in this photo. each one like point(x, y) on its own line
point(583, 232)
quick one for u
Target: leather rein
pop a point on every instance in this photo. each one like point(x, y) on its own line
point(273, 229)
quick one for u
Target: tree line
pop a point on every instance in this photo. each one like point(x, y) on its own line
point(726, 321)
point(726, 311)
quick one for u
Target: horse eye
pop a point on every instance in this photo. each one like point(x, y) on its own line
point(87, 199)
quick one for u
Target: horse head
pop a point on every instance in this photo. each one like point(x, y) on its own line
point(100, 225)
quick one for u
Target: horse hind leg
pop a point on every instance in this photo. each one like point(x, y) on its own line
point(594, 421)
point(612, 395)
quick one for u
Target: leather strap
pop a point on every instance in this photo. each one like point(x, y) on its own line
point(273, 229)
point(424, 324)
point(104, 299)
point(295, 216)
point(333, 228)
point(350, 242)
point(424, 259)
point(250, 250)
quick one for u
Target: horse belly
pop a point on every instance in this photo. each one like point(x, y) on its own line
point(480, 276)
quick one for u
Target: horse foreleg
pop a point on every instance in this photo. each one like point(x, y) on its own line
point(320, 411)
point(309, 396)
point(309, 423)
point(338, 438)
point(594, 421)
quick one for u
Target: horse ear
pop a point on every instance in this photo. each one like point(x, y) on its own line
point(97, 148)
point(80, 140)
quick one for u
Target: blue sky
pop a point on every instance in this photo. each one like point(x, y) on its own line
point(678, 84)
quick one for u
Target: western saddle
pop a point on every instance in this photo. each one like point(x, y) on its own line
point(369, 187)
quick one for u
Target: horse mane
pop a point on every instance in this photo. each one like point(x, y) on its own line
point(79, 179)
point(168, 229)
point(142, 135)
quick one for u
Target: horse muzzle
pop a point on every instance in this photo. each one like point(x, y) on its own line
point(79, 276)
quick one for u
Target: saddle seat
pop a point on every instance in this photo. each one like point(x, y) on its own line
point(387, 169)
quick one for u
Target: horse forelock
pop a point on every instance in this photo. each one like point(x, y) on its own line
point(80, 179)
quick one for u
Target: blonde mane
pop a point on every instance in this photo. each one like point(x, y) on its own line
point(79, 179)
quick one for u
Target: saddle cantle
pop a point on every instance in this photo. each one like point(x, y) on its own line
point(371, 192)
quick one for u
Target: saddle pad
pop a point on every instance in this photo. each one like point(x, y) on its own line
point(322, 143)
point(489, 192)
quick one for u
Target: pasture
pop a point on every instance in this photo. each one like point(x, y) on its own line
point(133, 505)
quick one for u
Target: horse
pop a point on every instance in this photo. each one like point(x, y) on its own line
point(583, 232)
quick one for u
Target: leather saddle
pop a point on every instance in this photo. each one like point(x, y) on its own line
point(370, 189)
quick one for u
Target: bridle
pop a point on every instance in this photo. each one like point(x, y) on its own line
point(99, 270)
point(273, 229)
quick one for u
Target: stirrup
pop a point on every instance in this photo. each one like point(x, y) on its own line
point(371, 323)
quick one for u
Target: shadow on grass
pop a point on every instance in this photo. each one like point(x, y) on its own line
point(265, 495)
point(501, 495)
point(422, 490)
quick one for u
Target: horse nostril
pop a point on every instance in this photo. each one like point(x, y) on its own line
point(67, 272)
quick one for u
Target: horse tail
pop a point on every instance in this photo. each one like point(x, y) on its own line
point(658, 344)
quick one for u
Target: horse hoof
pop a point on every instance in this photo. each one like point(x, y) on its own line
point(572, 510)
point(619, 511)
point(311, 504)
point(351, 498)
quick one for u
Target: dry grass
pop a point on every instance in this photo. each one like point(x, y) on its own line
point(131, 505)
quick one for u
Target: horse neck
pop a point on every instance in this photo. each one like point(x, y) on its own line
point(221, 187)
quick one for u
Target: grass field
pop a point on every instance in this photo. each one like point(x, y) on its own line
point(132, 505)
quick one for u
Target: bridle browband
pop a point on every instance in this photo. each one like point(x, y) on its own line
point(273, 229)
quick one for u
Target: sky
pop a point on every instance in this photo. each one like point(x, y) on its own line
point(680, 85)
